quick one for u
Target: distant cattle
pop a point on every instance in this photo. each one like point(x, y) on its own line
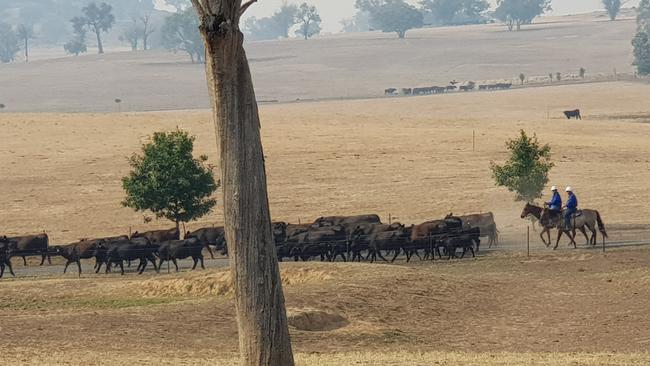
point(407, 91)
point(464, 240)
point(117, 252)
point(27, 246)
point(573, 114)
point(390, 91)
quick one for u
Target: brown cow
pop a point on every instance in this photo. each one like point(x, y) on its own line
point(158, 236)
point(30, 245)
point(485, 222)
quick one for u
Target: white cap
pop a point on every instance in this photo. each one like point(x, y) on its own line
point(554, 188)
point(569, 189)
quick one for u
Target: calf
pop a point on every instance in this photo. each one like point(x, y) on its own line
point(181, 249)
point(5, 255)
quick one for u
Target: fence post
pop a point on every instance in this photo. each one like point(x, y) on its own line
point(473, 140)
point(390, 221)
point(528, 240)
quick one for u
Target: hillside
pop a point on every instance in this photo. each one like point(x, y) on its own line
point(341, 66)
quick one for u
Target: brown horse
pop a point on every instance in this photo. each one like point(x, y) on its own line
point(589, 219)
point(537, 212)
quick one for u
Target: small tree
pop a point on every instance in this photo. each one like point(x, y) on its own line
point(147, 30)
point(392, 15)
point(25, 32)
point(550, 76)
point(582, 72)
point(309, 20)
point(522, 77)
point(9, 43)
point(613, 7)
point(517, 12)
point(168, 181)
point(132, 34)
point(98, 18)
point(181, 33)
point(455, 12)
point(641, 41)
point(526, 171)
point(77, 45)
point(558, 76)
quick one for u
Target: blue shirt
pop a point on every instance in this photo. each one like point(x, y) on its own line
point(556, 202)
point(572, 202)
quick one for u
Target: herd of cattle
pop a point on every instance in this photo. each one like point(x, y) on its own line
point(354, 238)
point(446, 89)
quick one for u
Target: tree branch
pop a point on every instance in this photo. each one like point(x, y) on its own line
point(245, 6)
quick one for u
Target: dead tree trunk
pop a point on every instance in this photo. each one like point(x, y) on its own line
point(263, 330)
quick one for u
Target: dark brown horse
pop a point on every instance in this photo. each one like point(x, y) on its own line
point(537, 212)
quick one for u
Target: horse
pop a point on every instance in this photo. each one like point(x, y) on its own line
point(536, 212)
point(584, 218)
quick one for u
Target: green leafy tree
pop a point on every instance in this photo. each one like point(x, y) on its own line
point(526, 171)
point(392, 15)
point(9, 43)
point(517, 12)
point(76, 45)
point(641, 41)
point(181, 33)
point(168, 181)
point(582, 72)
point(455, 12)
point(522, 78)
point(308, 20)
point(98, 19)
point(613, 7)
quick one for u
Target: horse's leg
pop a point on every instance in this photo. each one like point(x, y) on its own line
point(559, 236)
point(584, 232)
point(541, 235)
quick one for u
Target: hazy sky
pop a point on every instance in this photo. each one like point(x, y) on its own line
point(332, 11)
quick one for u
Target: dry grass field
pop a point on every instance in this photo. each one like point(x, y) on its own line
point(583, 308)
point(410, 157)
point(339, 66)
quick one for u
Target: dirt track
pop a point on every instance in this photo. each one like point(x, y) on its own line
point(564, 302)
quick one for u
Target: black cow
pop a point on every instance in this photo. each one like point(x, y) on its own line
point(346, 220)
point(573, 114)
point(181, 249)
point(215, 236)
point(31, 245)
point(407, 91)
point(393, 240)
point(359, 237)
point(320, 243)
point(464, 240)
point(5, 256)
point(73, 253)
point(117, 252)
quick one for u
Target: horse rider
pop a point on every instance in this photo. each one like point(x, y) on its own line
point(555, 204)
point(571, 207)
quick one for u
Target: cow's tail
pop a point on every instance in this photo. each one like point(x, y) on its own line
point(601, 225)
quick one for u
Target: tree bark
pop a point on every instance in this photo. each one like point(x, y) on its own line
point(263, 329)
point(99, 41)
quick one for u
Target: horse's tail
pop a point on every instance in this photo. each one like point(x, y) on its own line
point(601, 225)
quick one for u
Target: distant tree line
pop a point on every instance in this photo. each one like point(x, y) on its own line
point(304, 18)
